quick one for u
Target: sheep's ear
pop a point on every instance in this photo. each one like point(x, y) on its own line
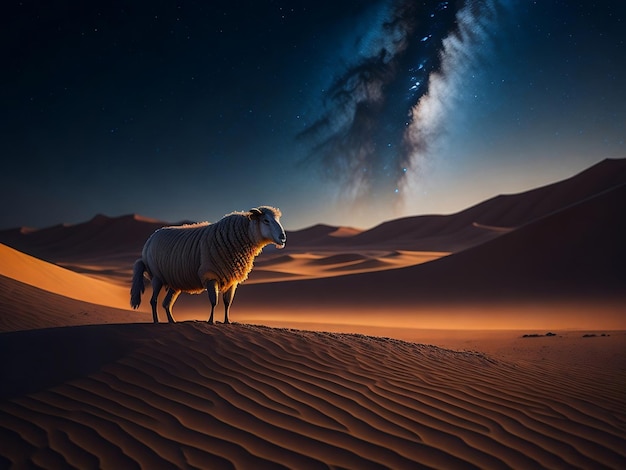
point(255, 213)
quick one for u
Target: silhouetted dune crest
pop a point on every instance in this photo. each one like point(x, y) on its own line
point(573, 253)
point(453, 233)
point(505, 211)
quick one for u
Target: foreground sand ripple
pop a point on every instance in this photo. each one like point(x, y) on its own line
point(193, 395)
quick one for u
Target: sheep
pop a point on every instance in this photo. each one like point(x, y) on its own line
point(213, 257)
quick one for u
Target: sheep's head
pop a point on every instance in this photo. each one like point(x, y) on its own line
point(269, 226)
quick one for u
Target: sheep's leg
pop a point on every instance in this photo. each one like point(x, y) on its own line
point(212, 290)
point(228, 299)
point(168, 303)
point(157, 284)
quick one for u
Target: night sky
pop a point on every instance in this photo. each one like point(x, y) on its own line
point(342, 112)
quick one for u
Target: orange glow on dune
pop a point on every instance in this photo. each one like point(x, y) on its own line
point(290, 311)
point(58, 280)
point(319, 264)
point(514, 316)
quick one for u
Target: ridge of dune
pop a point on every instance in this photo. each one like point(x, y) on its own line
point(58, 280)
point(345, 232)
point(312, 236)
point(474, 225)
point(579, 250)
point(242, 395)
point(99, 236)
point(493, 228)
point(26, 307)
point(341, 258)
point(514, 210)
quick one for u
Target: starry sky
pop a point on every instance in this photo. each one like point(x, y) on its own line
point(342, 112)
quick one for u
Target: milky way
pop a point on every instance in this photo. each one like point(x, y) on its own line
point(346, 113)
point(384, 111)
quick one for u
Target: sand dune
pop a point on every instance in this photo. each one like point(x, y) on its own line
point(95, 238)
point(567, 254)
point(515, 210)
point(103, 247)
point(126, 393)
point(577, 252)
point(52, 278)
point(365, 265)
point(244, 396)
point(106, 247)
point(342, 258)
point(24, 307)
point(321, 264)
point(475, 225)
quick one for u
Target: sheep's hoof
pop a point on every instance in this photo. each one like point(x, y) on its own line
point(210, 322)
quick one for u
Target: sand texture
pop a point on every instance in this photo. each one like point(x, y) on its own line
point(198, 396)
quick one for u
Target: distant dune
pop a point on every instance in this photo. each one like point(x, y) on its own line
point(576, 252)
point(445, 233)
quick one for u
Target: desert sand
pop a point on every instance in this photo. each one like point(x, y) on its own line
point(194, 395)
point(420, 343)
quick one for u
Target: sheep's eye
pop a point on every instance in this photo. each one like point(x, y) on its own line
point(266, 222)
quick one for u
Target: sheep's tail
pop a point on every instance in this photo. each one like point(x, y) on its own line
point(138, 285)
